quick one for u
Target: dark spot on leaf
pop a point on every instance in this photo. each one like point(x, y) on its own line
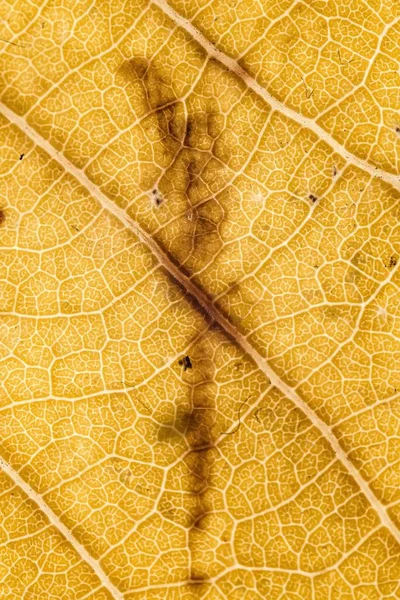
point(134, 68)
point(392, 262)
point(157, 90)
point(2, 216)
point(186, 363)
point(313, 198)
point(197, 578)
point(157, 197)
point(397, 129)
point(192, 423)
point(334, 171)
point(199, 523)
point(188, 132)
point(21, 156)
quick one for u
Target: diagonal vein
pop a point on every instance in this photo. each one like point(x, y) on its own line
point(204, 301)
point(56, 522)
point(233, 66)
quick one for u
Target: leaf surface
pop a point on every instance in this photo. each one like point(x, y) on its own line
point(199, 301)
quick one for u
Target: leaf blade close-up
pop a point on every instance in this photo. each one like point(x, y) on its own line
point(199, 306)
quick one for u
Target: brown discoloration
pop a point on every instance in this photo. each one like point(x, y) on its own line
point(134, 68)
point(202, 130)
point(195, 423)
point(196, 579)
point(156, 89)
point(187, 136)
point(159, 101)
point(170, 124)
point(199, 309)
point(186, 363)
point(190, 123)
point(157, 197)
point(193, 171)
point(392, 262)
point(2, 216)
point(187, 145)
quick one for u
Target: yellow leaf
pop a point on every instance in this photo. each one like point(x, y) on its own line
point(199, 322)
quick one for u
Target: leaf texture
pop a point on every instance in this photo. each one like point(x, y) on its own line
point(199, 316)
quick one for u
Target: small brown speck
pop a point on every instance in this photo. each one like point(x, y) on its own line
point(2, 216)
point(397, 129)
point(157, 197)
point(313, 198)
point(21, 156)
point(186, 363)
point(392, 261)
